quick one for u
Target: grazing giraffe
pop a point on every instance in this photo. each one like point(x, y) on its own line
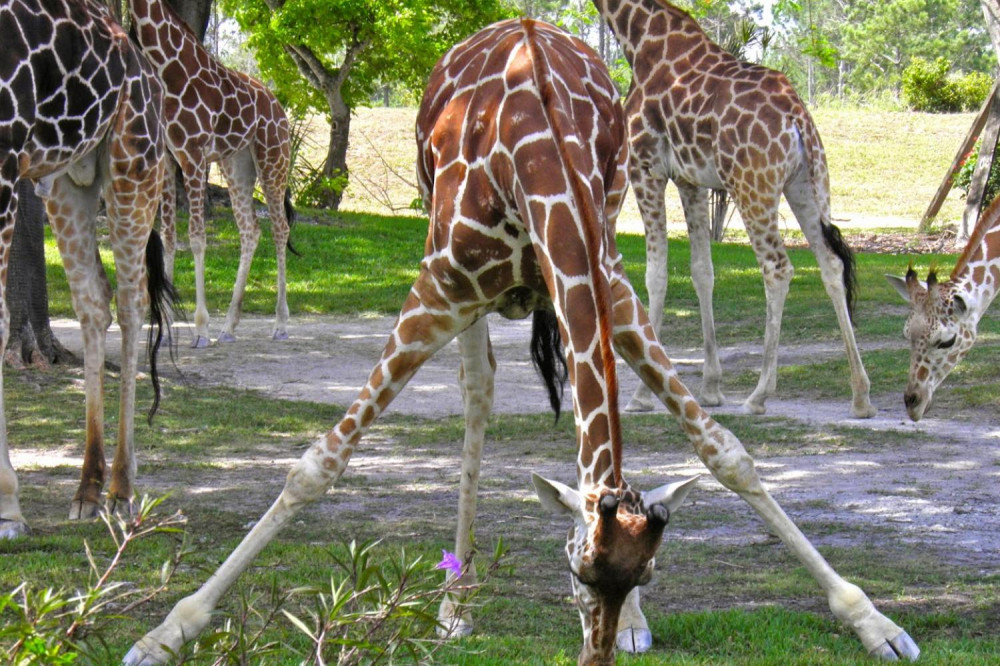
point(941, 326)
point(522, 160)
point(215, 114)
point(80, 115)
point(704, 119)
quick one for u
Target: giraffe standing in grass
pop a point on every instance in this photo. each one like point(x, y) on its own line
point(215, 114)
point(704, 119)
point(80, 115)
point(522, 161)
point(944, 316)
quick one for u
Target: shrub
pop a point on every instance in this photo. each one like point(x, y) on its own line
point(927, 86)
point(962, 178)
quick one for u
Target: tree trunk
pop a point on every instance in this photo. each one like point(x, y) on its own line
point(335, 167)
point(195, 13)
point(31, 339)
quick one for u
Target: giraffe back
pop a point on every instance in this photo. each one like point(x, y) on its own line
point(50, 119)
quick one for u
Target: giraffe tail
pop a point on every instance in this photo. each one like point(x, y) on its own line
point(163, 300)
point(547, 356)
point(290, 217)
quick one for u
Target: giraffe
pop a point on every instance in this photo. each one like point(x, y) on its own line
point(215, 114)
point(522, 161)
point(943, 318)
point(704, 119)
point(80, 117)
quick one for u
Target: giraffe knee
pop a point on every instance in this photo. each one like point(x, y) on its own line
point(311, 475)
point(734, 468)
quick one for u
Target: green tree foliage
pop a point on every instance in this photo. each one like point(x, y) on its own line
point(864, 46)
point(332, 55)
point(930, 86)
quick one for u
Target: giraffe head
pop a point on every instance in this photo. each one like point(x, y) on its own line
point(611, 548)
point(940, 328)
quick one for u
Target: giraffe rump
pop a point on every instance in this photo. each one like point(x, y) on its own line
point(163, 300)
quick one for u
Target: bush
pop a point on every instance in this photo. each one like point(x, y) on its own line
point(927, 86)
point(963, 176)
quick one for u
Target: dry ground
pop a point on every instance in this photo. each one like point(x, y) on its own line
point(931, 487)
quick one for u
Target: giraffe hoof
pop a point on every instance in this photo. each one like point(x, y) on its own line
point(864, 412)
point(121, 507)
point(637, 404)
point(13, 529)
point(80, 510)
point(712, 399)
point(200, 342)
point(900, 646)
point(226, 337)
point(634, 641)
point(456, 628)
point(754, 408)
point(280, 335)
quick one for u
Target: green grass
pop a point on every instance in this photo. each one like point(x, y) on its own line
point(711, 604)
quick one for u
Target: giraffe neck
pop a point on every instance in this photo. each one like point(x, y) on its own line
point(162, 34)
point(641, 25)
point(977, 271)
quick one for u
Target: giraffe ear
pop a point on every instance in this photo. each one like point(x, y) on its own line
point(671, 495)
point(899, 284)
point(556, 497)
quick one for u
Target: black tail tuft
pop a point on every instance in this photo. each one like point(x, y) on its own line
point(290, 217)
point(835, 241)
point(163, 300)
point(547, 356)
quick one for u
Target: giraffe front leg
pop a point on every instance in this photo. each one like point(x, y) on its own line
point(12, 523)
point(723, 454)
point(419, 332)
point(476, 377)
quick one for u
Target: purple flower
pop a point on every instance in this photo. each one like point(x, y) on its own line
point(450, 562)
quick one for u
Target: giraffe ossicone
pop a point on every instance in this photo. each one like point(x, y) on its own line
point(215, 114)
point(522, 157)
point(82, 120)
point(704, 119)
point(943, 320)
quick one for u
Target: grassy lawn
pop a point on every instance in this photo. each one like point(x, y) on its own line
point(221, 455)
point(711, 604)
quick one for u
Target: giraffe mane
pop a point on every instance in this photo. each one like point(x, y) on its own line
point(986, 222)
point(590, 217)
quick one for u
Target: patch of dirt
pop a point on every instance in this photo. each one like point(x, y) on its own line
point(937, 491)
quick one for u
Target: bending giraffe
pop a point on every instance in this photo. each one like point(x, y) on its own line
point(704, 119)
point(215, 114)
point(82, 120)
point(944, 316)
point(522, 160)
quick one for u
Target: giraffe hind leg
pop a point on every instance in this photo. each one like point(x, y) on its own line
point(72, 211)
point(241, 174)
point(801, 199)
point(476, 375)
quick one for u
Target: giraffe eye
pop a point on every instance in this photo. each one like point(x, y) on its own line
point(945, 344)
